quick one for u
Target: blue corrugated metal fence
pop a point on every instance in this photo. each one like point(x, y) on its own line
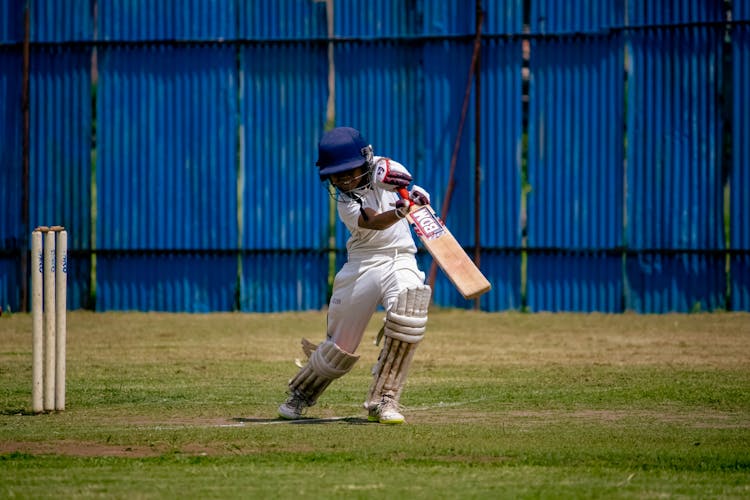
point(176, 141)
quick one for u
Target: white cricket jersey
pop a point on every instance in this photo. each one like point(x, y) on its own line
point(365, 242)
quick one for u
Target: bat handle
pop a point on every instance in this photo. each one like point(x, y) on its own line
point(405, 195)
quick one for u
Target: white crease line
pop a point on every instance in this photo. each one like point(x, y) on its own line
point(441, 404)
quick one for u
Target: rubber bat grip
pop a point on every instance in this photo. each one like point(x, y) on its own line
point(405, 195)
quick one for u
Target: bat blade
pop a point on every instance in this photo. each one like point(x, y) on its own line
point(447, 252)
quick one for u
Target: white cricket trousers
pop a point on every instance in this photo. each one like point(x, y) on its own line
point(360, 286)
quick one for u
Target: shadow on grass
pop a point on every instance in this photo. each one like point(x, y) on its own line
point(331, 420)
point(23, 412)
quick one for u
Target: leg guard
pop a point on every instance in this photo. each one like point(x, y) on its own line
point(404, 328)
point(327, 362)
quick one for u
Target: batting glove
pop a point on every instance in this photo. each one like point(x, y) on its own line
point(419, 196)
point(402, 208)
point(391, 175)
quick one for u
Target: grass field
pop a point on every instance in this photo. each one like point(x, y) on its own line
point(497, 406)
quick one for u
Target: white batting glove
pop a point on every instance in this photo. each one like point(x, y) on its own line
point(419, 196)
point(391, 175)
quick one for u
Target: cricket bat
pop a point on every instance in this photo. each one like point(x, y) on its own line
point(446, 251)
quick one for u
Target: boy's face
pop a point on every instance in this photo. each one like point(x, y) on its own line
point(349, 180)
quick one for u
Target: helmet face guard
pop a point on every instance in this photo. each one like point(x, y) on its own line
point(342, 149)
point(360, 183)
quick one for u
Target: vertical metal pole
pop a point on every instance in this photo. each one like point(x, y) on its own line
point(25, 157)
point(37, 322)
point(330, 124)
point(457, 144)
point(478, 148)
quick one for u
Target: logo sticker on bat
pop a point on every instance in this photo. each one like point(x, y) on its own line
point(427, 224)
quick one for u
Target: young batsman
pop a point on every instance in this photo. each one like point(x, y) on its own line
point(381, 269)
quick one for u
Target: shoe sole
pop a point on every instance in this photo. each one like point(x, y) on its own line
point(289, 416)
point(391, 422)
point(284, 417)
point(371, 418)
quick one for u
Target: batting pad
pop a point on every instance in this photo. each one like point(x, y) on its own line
point(327, 363)
point(404, 328)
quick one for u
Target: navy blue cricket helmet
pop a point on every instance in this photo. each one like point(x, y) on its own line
point(342, 149)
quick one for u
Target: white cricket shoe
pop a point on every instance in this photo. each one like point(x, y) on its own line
point(386, 412)
point(293, 408)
